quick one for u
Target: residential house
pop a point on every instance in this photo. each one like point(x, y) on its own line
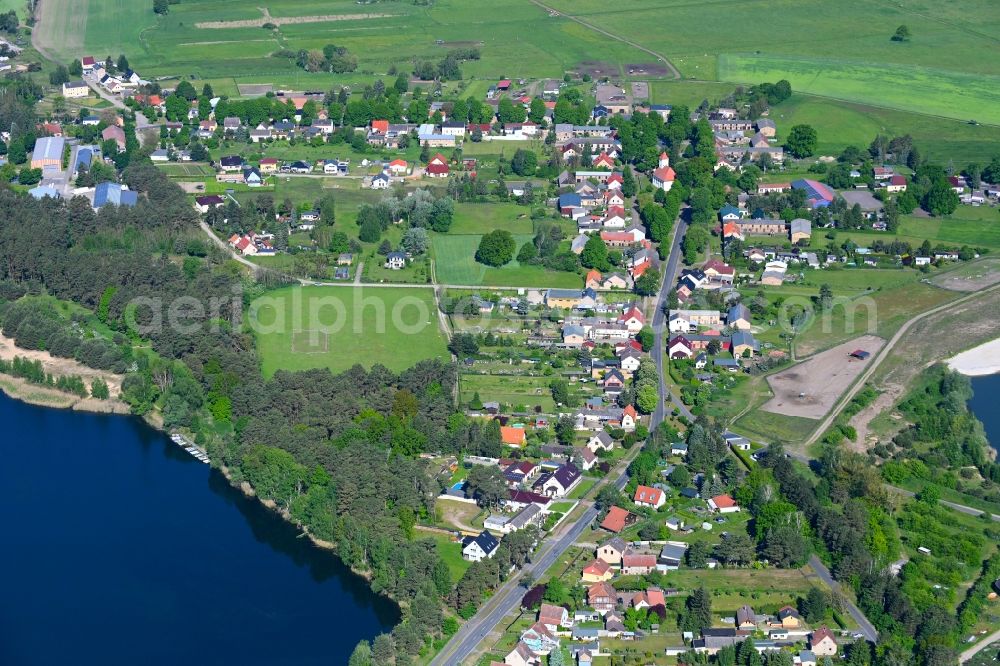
point(616, 281)
point(789, 618)
point(893, 185)
point(597, 571)
point(723, 504)
point(539, 639)
point(267, 165)
point(822, 643)
point(799, 229)
point(380, 181)
point(719, 272)
point(679, 347)
point(560, 482)
point(600, 441)
point(649, 497)
point(743, 342)
point(203, 204)
point(638, 564)
point(746, 619)
point(522, 655)
point(612, 550)
point(117, 134)
point(252, 177)
point(602, 597)
point(438, 167)
point(738, 317)
point(230, 163)
point(629, 418)
point(512, 436)
point(75, 89)
point(553, 617)
point(616, 520)
point(562, 298)
point(480, 547)
point(614, 382)
point(395, 261)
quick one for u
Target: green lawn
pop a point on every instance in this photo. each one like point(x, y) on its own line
point(513, 390)
point(455, 257)
point(450, 552)
point(394, 327)
point(480, 218)
point(977, 227)
point(770, 427)
point(689, 93)
point(907, 87)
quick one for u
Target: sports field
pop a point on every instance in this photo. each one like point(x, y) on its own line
point(298, 328)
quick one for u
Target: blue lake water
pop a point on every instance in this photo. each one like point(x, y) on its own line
point(985, 404)
point(120, 548)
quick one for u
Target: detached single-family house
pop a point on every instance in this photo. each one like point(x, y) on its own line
point(602, 597)
point(600, 441)
point(512, 436)
point(75, 89)
point(723, 504)
point(395, 261)
point(597, 571)
point(638, 564)
point(560, 482)
point(612, 550)
point(553, 617)
point(822, 643)
point(480, 547)
point(646, 496)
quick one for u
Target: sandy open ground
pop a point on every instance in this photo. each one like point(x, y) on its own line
point(810, 389)
point(61, 367)
point(981, 360)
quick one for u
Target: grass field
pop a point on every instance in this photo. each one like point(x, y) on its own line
point(455, 262)
point(907, 87)
point(769, 427)
point(514, 390)
point(394, 327)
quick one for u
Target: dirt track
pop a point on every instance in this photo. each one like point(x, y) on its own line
point(810, 389)
point(285, 20)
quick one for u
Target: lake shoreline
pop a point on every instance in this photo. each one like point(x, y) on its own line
point(22, 390)
point(979, 361)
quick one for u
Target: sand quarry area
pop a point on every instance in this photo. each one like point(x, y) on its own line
point(810, 389)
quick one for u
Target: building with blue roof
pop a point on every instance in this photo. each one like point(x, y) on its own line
point(818, 195)
point(43, 191)
point(113, 193)
point(84, 157)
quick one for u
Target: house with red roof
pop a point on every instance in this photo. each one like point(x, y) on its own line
point(87, 63)
point(638, 564)
point(593, 279)
point(896, 184)
point(719, 271)
point(603, 161)
point(723, 504)
point(680, 347)
point(822, 643)
point(652, 498)
point(602, 597)
point(438, 167)
point(663, 178)
point(732, 230)
point(616, 519)
point(633, 319)
point(629, 418)
point(614, 181)
point(503, 84)
point(398, 167)
point(513, 436)
point(597, 571)
point(380, 126)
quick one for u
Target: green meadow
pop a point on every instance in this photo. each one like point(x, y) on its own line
point(336, 327)
point(455, 263)
point(950, 94)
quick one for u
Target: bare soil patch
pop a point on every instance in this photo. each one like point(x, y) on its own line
point(811, 388)
point(254, 89)
point(597, 69)
point(647, 69)
point(891, 393)
point(640, 91)
point(973, 277)
point(285, 20)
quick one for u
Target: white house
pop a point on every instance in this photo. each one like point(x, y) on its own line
point(478, 548)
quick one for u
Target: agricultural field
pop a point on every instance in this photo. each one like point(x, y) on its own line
point(936, 92)
point(393, 326)
point(217, 40)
